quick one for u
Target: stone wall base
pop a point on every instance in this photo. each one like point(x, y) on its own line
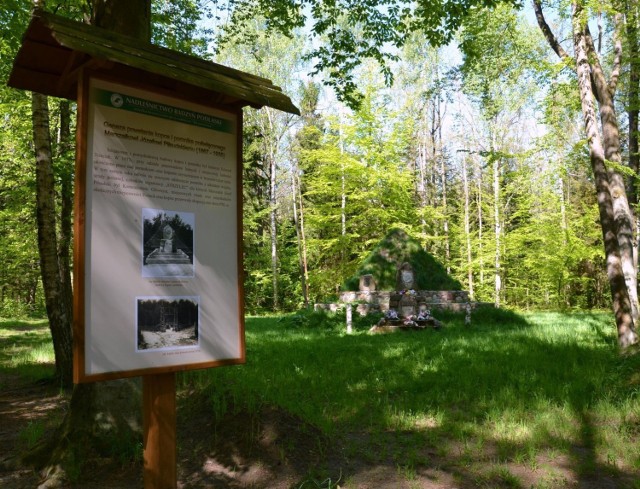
point(367, 308)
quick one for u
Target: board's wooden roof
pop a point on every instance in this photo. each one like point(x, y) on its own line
point(54, 49)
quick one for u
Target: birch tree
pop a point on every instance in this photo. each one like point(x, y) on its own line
point(605, 156)
point(275, 57)
point(497, 78)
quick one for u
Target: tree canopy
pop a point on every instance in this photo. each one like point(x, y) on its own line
point(348, 32)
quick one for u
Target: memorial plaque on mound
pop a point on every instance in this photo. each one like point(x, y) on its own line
point(367, 283)
point(406, 278)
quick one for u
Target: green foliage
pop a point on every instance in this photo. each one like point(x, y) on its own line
point(19, 274)
point(354, 31)
point(328, 321)
point(176, 25)
point(396, 248)
point(362, 165)
point(356, 187)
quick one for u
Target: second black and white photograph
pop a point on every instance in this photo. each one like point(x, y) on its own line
point(167, 322)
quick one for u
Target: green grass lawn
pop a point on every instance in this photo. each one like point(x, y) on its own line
point(517, 387)
point(26, 350)
point(510, 389)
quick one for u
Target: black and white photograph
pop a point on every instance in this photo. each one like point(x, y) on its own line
point(166, 323)
point(167, 238)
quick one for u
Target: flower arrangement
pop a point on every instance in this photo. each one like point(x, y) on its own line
point(391, 314)
point(408, 292)
point(424, 314)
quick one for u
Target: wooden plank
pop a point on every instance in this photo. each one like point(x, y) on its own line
point(36, 81)
point(50, 30)
point(154, 63)
point(79, 222)
point(72, 30)
point(45, 58)
point(209, 80)
point(159, 420)
point(155, 59)
point(162, 370)
point(98, 35)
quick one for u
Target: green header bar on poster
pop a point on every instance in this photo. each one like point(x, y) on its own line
point(156, 109)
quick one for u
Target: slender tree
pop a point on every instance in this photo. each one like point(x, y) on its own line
point(615, 216)
point(275, 57)
point(78, 430)
point(57, 303)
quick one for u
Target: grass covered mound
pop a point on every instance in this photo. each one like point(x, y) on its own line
point(394, 250)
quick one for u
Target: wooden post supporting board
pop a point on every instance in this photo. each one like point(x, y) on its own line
point(159, 418)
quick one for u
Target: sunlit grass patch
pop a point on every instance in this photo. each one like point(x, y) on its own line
point(39, 354)
point(510, 388)
point(26, 349)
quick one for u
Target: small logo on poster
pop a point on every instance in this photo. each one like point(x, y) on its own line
point(117, 100)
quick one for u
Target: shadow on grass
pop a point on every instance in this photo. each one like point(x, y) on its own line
point(509, 390)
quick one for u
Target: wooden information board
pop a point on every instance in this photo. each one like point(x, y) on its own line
point(157, 262)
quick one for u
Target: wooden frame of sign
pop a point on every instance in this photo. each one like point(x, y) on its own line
point(158, 210)
point(158, 232)
point(162, 176)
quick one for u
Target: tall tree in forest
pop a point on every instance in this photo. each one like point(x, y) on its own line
point(378, 184)
point(78, 429)
point(421, 78)
point(498, 78)
point(632, 27)
point(605, 156)
point(54, 259)
point(19, 274)
point(58, 310)
point(307, 138)
point(275, 57)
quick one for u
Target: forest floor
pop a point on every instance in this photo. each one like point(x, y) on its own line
point(272, 449)
point(567, 433)
point(169, 339)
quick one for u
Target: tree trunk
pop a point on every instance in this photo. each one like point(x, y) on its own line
point(497, 230)
point(633, 97)
point(97, 411)
point(302, 262)
point(273, 227)
point(623, 219)
point(564, 225)
point(619, 292)
point(467, 227)
point(59, 318)
point(438, 154)
point(66, 206)
point(421, 185)
point(343, 203)
point(633, 109)
point(304, 245)
point(480, 222)
point(612, 203)
point(125, 17)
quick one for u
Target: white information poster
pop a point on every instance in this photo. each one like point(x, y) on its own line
point(161, 233)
